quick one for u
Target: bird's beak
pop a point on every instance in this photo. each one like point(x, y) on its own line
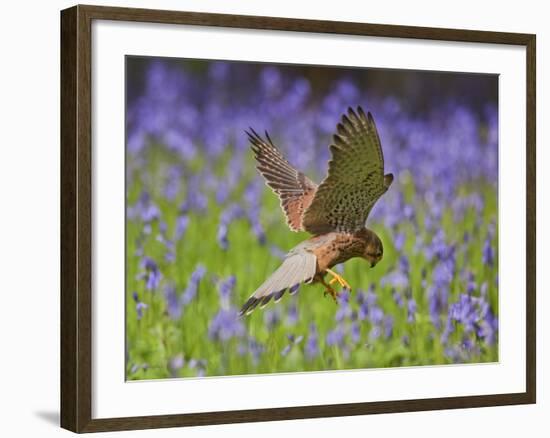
point(372, 264)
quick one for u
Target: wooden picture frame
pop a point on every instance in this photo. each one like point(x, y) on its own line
point(76, 217)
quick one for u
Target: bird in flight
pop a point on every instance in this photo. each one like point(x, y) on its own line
point(334, 212)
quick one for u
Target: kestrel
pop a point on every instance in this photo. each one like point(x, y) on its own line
point(334, 212)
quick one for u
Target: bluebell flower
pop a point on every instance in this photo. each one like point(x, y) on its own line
point(172, 185)
point(411, 310)
point(182, 222)
point(140, 306)
point(195, 200)
point(396, 279)
point(375, 332)
point(344, 309)
point(487, 328)
point(397, 298)
point(335, 337)
point(292, 341)
point(488, 255)
point(145, 209)
point(271, 80)
point(388, 326)
point(222, 236)
point(226, 325)
point(376, 315)
point(399, 241)
point(225, 289)
point(464, 312)
point(253, 347)
point(193, 285)
point(355, 332)
point(151, 274)
point(176, 364)
point(173, 304)
point(292, 314)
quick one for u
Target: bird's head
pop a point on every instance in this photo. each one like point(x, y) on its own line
point(374, 250)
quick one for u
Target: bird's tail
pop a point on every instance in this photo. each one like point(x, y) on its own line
point(297, 268)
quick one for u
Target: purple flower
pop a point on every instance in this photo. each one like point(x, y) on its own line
point(182, 223)
point(399, 241)
point(222, 236)
point(376, 315)
point(253, 347)
point(335, 337)
point(173, 304)
point(292, 341)
point(355, 332)
point(193, 285)
point(140, 306)
point(225, 289)
point(397, 298)
point(175, 364)
point(258, 231)
point(367, 302)
point(195, 201)
point(173, 183)
point(375, 333)
point(464, 312)
point(488, 328)
point(170, 254)
point(226, 325)
point(438, 292)
point(144, 209)
point(396, 279)
point(292, 314)
point(411, 310)
point(388, 326)
point(488, 256)
point(151, 273)
point(344, 308)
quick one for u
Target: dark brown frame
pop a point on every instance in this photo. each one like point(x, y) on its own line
point(76, 225)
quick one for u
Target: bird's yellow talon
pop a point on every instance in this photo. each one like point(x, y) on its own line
point(330, 291)
point(339, 279)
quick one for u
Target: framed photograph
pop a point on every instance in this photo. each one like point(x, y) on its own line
point(268, 219)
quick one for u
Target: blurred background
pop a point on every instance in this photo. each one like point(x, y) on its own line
point(203, 230)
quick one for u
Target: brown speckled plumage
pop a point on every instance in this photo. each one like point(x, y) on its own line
point(335, 211)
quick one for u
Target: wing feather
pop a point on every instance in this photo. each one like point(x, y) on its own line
point(295, 190)
point(355, 179)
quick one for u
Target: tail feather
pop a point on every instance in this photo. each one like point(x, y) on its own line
point(297, 268)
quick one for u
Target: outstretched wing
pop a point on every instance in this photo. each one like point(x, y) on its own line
point(355, 178)
point(295, 190)
point(298, 267)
